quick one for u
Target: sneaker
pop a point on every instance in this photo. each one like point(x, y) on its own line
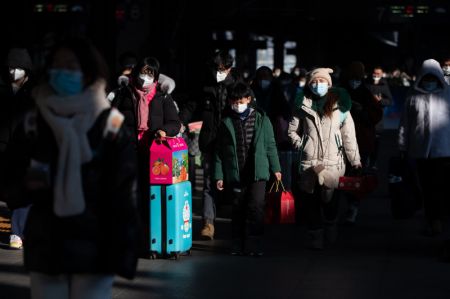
point(15, 242)
point(236, 247)
point(207, 232)
point(352, 213)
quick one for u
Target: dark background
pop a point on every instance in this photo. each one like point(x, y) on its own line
point(182, 34)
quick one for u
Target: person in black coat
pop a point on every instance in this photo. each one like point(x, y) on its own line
point(147, 108)
point(15, 101)
point(379, 87)
point(149, 113)
point(211, 103)
point(366, 111)
point(72, 158)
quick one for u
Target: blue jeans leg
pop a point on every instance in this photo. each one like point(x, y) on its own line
point(18, 221)
point(209, 207)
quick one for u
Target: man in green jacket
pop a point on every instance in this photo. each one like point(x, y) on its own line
point(245, 155)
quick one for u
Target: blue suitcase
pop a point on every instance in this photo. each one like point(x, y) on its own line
point(170, 219)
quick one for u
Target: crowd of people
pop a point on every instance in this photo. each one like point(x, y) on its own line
point(74, 153)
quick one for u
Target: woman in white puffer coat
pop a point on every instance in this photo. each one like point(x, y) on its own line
point(322, 129)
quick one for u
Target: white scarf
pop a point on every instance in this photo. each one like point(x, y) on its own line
point(70, 118)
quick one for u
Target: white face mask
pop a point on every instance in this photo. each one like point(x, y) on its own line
point(446, 70)
point(239, 108)
point(376, 78)
point(220, 76)
point(17, 73)
point(302, 83)
point(147, 80)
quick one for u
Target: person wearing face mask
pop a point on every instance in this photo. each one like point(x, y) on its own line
point(211, 105)
point(367, 112)
point(379, 88)
point(322, 129)
point(424, 136)
point(149, 113)
point(127, 61)
point(16, 100)
point(72, 157)
point(297, 85)
point(270, 98)
point(147, 108)
point(446, 69)
point(245, 156)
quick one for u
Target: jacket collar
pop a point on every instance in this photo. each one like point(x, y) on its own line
point(258, 122)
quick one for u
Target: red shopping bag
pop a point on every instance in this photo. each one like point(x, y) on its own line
point(280, 205)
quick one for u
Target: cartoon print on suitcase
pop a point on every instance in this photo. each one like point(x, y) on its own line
point(171, 219)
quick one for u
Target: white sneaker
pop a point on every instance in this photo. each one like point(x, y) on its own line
point(15, 242)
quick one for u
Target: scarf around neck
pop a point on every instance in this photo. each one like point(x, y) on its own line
point(70, 118)
point(144, 98)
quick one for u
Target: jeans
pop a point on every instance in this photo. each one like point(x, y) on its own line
point(209, 189)
point(18, 221)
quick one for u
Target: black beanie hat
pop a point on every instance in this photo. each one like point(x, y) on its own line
point(19, 58)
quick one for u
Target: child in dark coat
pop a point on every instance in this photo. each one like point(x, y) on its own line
point(245, 155)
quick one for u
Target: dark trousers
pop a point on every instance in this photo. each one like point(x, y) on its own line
point(209, 189)
point(433, 178)
point(318, 212)
point(248, 210)
point(373, 157)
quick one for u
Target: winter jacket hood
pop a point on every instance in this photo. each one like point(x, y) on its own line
point(424, 131)
point(432, 67)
